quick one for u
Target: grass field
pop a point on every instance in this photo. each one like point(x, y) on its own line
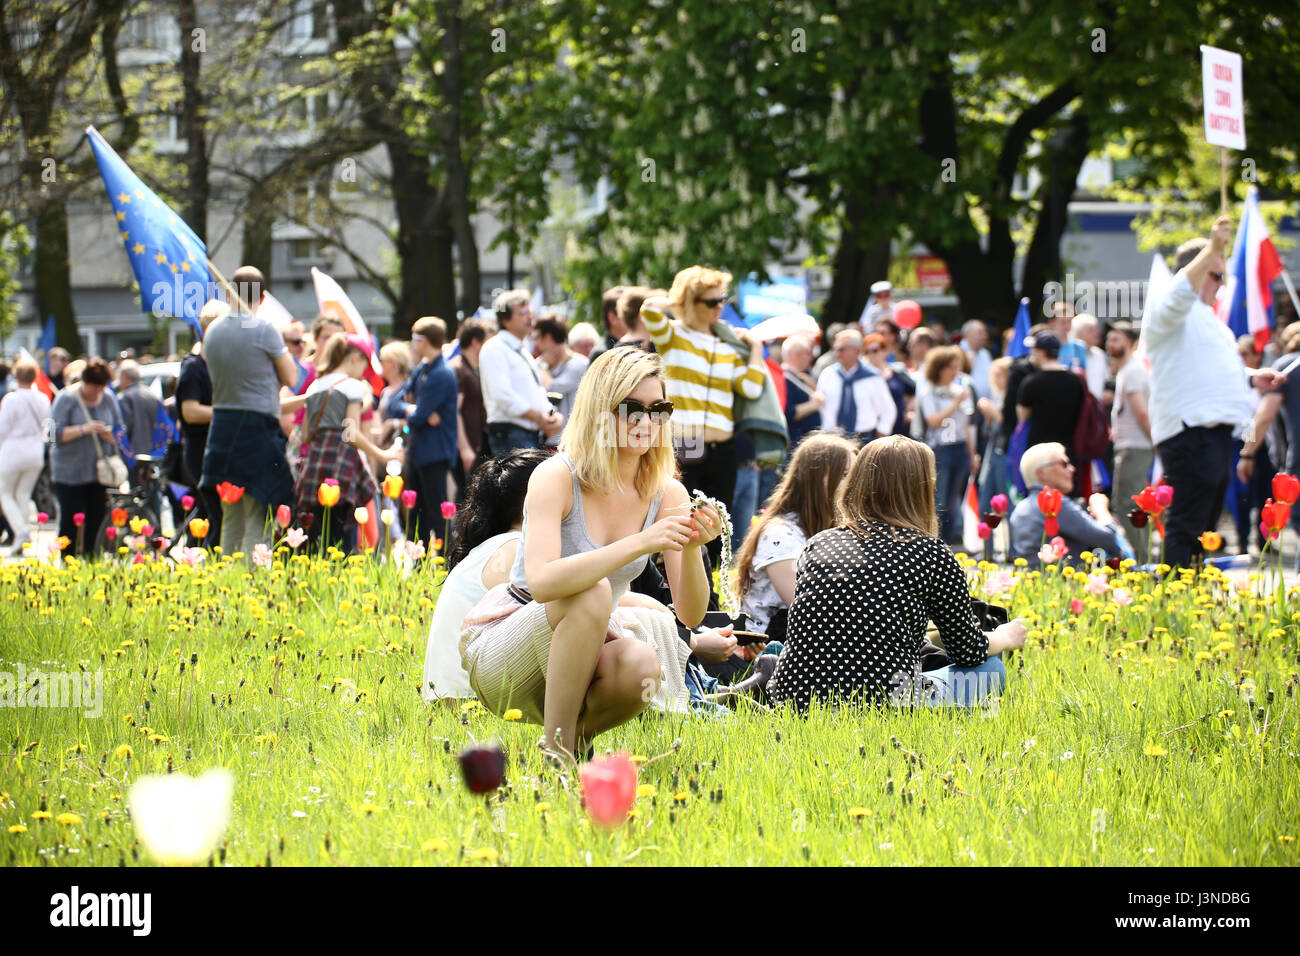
point(1159, 732)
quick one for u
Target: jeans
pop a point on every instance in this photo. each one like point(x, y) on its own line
point(432, 493)
point(968, 686)
point(1197, 462)
point(90, 499)
point(993, 475)
point(753, 487)
point(503, 439)
point(16, 500)
point(952, 465)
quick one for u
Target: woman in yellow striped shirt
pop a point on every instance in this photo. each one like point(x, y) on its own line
point(705, 375)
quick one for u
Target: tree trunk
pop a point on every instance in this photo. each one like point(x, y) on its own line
point(456, 186)
point(193, 124)
point(425, 240)
point(860, 260)
point(1043, 257)
point(259, 221)
point(53, 273)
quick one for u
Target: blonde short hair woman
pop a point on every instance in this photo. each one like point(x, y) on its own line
point(544, 643)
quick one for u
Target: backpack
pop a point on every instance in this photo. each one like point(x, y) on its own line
point(1092, 430)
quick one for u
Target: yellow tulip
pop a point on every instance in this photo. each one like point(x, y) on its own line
point(393, 486)
point(199, 527)
point(328, 495)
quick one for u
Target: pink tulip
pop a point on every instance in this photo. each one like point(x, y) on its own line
point(146, 530)
point(984, 531)
point(187, 502)
point(1164, 496)
point(262, 556)
point(1097, 584)
point(999, 504)
point(448, 510)
point(609, 789)
point(1076, 606)
point(284, 516)
point(295, 537)
point(79, 518)
point(408, 498)
point(42, 517)
point(110, 533)
point(1122, 596)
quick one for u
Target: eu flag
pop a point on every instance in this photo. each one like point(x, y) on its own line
point(170, 261)
point(1020, 331)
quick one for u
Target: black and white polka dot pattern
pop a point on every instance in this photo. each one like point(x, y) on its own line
point(860, 609)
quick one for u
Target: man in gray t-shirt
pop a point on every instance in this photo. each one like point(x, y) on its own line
point(241, 352)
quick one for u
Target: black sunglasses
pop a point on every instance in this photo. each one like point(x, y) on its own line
point(633, 411)
point(293, 341)
point(713, 303)
point(1216, 276)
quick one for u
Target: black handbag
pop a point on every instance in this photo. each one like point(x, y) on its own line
point(990, 617)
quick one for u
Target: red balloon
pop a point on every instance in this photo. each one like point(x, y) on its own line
point(907, 314)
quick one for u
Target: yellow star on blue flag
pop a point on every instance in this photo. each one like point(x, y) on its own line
point(156, 239)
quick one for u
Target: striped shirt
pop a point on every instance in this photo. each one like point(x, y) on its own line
point(704, 374)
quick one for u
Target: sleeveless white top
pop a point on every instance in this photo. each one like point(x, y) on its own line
point(462, 589)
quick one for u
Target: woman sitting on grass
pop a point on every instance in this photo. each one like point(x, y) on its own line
point(544, 643)
point(865, 589)
point(488, 529)
point(802, 505)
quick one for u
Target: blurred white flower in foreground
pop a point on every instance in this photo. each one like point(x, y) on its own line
point(180, 818)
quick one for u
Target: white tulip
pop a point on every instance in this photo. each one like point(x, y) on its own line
point(180, 818)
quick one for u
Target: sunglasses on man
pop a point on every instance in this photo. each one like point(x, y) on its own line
point(634, 412)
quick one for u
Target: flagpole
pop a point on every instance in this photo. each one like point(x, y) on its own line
point(1290, 290)
point(230, 290)
point(1223, 179)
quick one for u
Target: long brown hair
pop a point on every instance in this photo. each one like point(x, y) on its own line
point(807, 490)
point(892, 482)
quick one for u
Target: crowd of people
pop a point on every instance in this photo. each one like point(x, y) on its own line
point(597, 477)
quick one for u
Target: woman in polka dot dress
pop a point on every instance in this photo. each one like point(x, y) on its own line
point(865, 590)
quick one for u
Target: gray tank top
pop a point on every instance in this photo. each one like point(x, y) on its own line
point(574, 539)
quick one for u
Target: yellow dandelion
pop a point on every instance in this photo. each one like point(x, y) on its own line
point(18, 828)
point(1226, 713)
point(514, 713)
point(435, 843)
point(680, 797)
point(859, 812)
point(1155, 750)
point(68, 818)
point(158, 738)
point(41, 814)
point(1284, 839)
point(543, 807)
point(124, 752)
point(487, 854)
point(369, 808)
point(646, 790)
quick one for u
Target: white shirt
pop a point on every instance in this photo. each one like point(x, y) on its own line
point(1095, 369)
point(876, 409)
point(979, 370)
point(1197, 375)
point(782, 540)
point(511, 383)
point(23, 413)
point(461, 590)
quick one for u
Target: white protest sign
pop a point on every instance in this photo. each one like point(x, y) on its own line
point(1225, 108)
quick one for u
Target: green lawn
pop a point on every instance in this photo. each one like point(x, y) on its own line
point(1161, 733)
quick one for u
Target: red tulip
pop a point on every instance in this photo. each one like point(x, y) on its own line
point(229, 493)
point(448, 510)
point(283, 516)
point(609, 789)
point(1076, 606)
point(119, 516)
point(42, 517)
point(306, 519)
point(1150, 499)
point(484, 767)
point(1049, 502)
point(1112, 563)
point(159, 542)
point(999, 504)
point(984, 531)
point(79, 519)
point(408, 498)
point(1137, 518)
point(992, 519)
point(1051, 527)
point(1274, 516)
point(1286, 488)
point(187, 502)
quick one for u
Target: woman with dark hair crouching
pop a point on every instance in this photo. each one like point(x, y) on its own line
point(488, 528)
point(865, 590)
